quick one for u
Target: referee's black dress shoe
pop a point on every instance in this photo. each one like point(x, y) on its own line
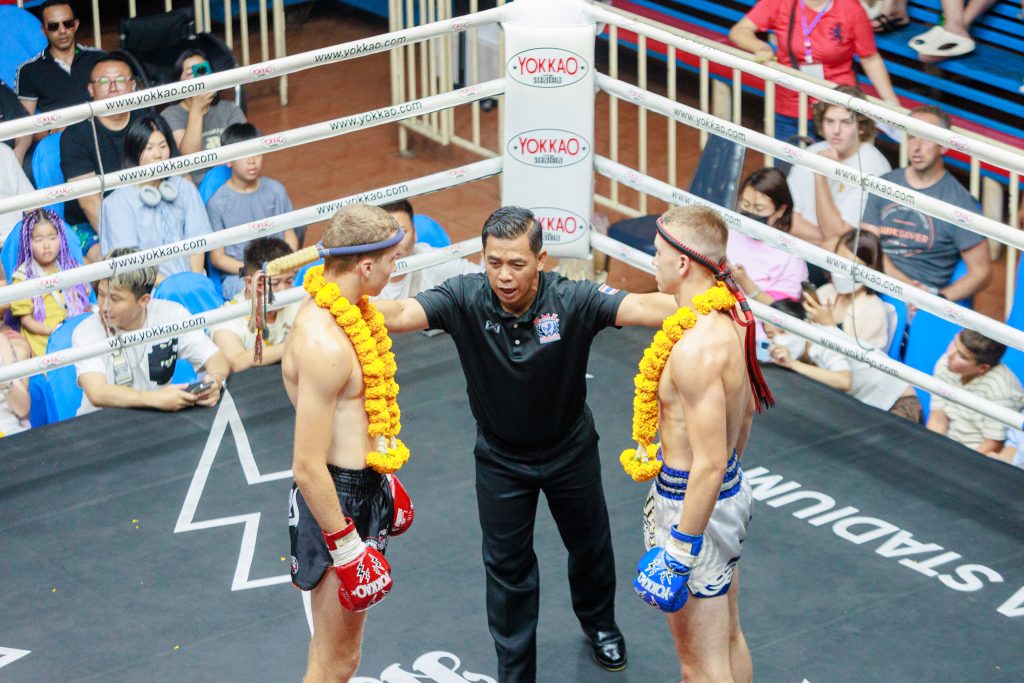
point(609, 648)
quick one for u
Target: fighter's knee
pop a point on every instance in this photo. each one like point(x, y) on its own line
point(344, 666)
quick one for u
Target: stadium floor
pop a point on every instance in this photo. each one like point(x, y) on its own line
point(97, 586)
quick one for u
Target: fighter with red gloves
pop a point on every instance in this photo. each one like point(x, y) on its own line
point(341, 512)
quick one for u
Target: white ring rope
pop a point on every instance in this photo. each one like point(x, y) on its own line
point(828, 260)
point(835, 342)
point(972, 145)
point(242, 75)
point(50, 361)
point(969, 220)
point(268, 143)
point(242, 233)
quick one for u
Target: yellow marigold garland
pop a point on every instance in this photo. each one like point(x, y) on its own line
point(641, 463)
point(364, 326)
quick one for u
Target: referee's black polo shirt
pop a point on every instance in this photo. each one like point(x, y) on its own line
point(526, 375)
point(50, 85)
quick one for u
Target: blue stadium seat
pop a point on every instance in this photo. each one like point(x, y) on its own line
point(192, 290)
point(928, 339)
point(21, 39)
point(300, 276)
point(1016, 317)
point(9, 252)
point(64, 381)
point(1014, 359)
point(213, 180)
point(430, 231)
point(46, 170)
point(43, 409)
point(896, 342)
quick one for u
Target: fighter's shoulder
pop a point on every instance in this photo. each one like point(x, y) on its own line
point(316, 334)
point(705, 348)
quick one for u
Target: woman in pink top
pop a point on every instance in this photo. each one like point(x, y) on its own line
point(819, 37)
point(764, 272)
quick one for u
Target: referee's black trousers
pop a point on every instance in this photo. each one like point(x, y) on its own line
point(507, 490)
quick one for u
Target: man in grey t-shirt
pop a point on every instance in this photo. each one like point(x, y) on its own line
point(921, 249)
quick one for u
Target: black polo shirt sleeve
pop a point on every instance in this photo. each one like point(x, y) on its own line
point(10, 106)
point(76, 150)
point(444, 304)
point(597, 304)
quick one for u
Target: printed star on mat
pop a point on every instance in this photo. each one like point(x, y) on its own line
point(9, 655)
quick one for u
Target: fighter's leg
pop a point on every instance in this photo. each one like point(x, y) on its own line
point(739, 653)
point(701, 634)
point(336, 645)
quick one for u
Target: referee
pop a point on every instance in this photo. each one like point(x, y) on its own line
point(523, 336)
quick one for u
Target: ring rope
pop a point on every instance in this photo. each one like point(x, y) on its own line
point(267, 143)
point(811, 253)
point(247, 231)
point(243, 75)
point(964, 142)
point(969, 220)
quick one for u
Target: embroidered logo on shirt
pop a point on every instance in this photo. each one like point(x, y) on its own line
point(492, 327)
point(547, 327)
point(605, 289)
point(837, 33)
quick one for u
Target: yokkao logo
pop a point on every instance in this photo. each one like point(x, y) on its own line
point(549, 148)
point(57, 191)
point(547, 67)
point(46, 119)
point(261, 226)
point(261, 70)
point(272, 141)
point(51, 280)
point(792, 153)
point(457, 173)
point(963, 217)
point(50, 361)
point(560, 226)
point(958, 143)
point(458, 25)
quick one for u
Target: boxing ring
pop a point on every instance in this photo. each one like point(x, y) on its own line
point(149, 556)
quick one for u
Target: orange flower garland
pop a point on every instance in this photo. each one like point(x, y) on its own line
point(642, 462)
point(364, 326)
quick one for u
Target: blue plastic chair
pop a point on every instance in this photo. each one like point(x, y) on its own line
point(430, 231)
point(46, 170)
point(21, 40)
point(928, 339)
point(43, 410)
point(64, 381)
point(300, 276)
point(192, 290)
point(9, 252)
point(213, 180)
point(1016, 317)
point(896, 343)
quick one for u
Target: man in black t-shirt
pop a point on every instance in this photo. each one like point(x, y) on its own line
point(10, 109)
point(78, 159)
point(524, 337)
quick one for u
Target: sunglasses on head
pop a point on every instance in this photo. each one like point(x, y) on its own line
point(53, 26)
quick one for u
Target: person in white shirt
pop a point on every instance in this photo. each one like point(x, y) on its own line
point(234, 338)
point(405, 286)
point(139, 376)
point(826, 207)
point(13, 181)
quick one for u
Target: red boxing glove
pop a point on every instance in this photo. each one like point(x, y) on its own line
point(364, 574)
point(404, 509)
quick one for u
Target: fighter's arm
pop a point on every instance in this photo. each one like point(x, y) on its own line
point(748, 421)
point(324, 366)
point(402, 315)
point(696, 372)
point(648, 310)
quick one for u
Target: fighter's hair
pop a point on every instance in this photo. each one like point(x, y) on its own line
point(700, 228)
point(353, 225)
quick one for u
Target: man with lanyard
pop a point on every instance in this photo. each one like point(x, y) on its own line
point(523, 337)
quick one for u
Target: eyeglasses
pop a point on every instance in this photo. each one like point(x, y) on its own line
point(120, 81)
point(54, 26)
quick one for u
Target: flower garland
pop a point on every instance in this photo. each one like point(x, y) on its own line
point(364, 326)
point(642, 463)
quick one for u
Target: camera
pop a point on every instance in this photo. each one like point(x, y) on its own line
point(201, 69)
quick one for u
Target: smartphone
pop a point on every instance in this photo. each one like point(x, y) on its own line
point(810, 290)
point(201, 69)
point(198, 387)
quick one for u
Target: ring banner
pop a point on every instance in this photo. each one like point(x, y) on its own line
point(549, 119)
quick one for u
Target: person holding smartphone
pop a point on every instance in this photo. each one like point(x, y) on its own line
point(197, 122)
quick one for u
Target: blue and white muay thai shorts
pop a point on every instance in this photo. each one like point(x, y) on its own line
point(711, 575)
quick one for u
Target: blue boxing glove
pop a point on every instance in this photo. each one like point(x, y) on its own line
point(662, 573)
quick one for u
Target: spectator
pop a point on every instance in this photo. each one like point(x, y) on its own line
point(14, 397)
point(887, 15)
point(952, 38)
point(234, 338)
point(819, 37)
point(154, 212)
point(763, 272)
point(11, 108)
point(199, 122)
point(1011, 452)
point(972, 363)
point(43, 250)
point(245, 197)
point(111, 76)
point(865, 383)
point(920, 249)
point(60, 75)
point(139, 376)
point(12, 182)
point(406, 285)
point(849, 139)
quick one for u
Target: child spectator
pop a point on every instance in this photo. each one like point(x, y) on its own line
point(234, 338)
point(245, 197)
point(972, 363)
point(43, 250)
